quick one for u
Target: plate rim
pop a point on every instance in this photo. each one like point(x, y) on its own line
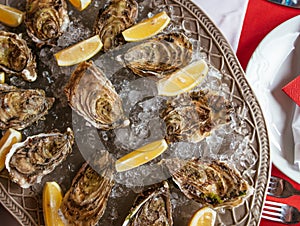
point(276, 159)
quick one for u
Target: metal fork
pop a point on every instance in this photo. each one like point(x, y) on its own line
point(280, 212)
point(289, 3)
point(281, 188)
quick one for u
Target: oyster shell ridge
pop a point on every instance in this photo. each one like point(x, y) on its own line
point(20, 160)
point(16, 57)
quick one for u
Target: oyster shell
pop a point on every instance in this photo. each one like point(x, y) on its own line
point(28, 161)
point(212, 183)
point(117, 16)
point(152, 207)
point(159, 56)
point(46, 20)
point(93, 96)
point(85, 201)
point(15, 57)
point(22, 107)
point(192, 116)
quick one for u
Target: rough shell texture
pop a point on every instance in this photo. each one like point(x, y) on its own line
point(86, 200)
point(93, 96)
point(192, 116)
point(113, 19)
point(15, 57)
point(46, 20)
point(22, 107)
point(152, 207)
point(211, 183)
point(159, 56)
point(27, 162)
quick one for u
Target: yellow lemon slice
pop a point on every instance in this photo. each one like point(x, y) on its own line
point(141, 156)
point(10, 137)
point(10, 16)
point(52, 198)
point(80, 4)
point(183, 80)
point(203, 217)
point(2, 77)
point(79, 52)
point(147, 28)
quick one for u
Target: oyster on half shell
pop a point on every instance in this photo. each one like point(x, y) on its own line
point(28, 161)
point(192, 116)
point(93, 96)
point(117, 16)
point(159, 56)
point(22, 107)
point(86, 200)
point(15, 57)
point(46, 20)
point(152, 207)
point(211, 183)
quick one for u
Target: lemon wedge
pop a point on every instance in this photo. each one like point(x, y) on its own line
point(141, 155)
point(52, 198)
point(80, 4)
point(79, 52)
point(203, 217)
point(147, 28)
point(2, 77)
point(10, 16)
point(10, 137)
point(183, 80)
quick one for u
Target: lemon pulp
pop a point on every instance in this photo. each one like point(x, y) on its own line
point(52, 198)
point(203, 217)
point(141, 155)
point(10, 16)
point(10, 137)
point(184, 79)
point(147, 28)
point(79, 52)
point(80, 4)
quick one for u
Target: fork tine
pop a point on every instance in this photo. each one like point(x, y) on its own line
point(278, 209)
point(275, 179)
point(267, 202)
point(270, 193)
point(271, 218)
point(272, 213)
point(273, 182)
point(271, 187)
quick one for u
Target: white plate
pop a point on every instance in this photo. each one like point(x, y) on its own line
point(274, 63)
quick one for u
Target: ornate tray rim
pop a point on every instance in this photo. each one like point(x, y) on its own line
point(263, 173)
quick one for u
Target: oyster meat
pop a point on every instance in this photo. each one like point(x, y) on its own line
point(15, 57)
point(46, 20)
point(93, 96)
point(152, 207)
point(211, 183)
point(22, 107)
point(117, 16)
point(28, 161)
point(86, 200)
point(159, 56)
point(192, 116)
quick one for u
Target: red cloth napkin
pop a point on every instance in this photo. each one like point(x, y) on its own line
point(292, 89)
point(261, 18)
